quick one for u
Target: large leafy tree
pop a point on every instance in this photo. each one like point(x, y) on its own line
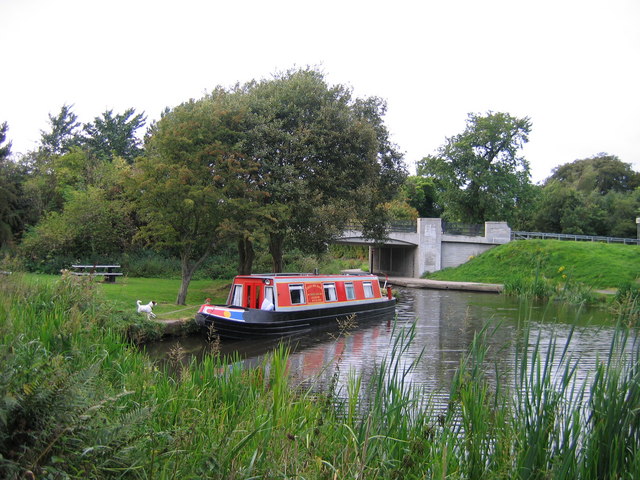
point(600, 174)
point(69, 171)
point(622, 210)
point(110, 135)
point(41, 192)
point(53, 177)
point(187, 183)
point(63, 132)
point(480, 172)
point(565, 210)
point(420, 193)
point(91, 225)
point(324, 158)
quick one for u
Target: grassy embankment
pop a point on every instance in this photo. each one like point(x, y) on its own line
point(78, 401)
point(545, 268)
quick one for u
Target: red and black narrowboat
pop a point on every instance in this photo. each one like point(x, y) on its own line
point(271, 305)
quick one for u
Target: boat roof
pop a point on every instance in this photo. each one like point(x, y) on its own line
point(308, 275)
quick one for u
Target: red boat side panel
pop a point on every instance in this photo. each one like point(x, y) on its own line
point(359, 290)
point(284, 300)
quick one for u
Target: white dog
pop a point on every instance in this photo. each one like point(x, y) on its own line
point(147, 308)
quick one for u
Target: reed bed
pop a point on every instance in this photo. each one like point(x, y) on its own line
point(77, 400)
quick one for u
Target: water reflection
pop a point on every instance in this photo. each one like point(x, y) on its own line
point(445, 325)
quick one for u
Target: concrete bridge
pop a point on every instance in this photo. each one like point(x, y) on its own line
point(426, 247)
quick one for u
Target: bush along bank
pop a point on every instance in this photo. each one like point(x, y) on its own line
point(79, 401)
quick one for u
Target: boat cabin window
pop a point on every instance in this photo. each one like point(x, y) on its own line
point(297, 294)
point(368, 289)
point(236, 298)
point(330, 292)
point(351, 293)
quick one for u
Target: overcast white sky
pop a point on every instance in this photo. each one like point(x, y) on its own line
point(572, 66)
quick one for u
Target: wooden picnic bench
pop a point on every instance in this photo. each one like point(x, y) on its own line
point(108, 271)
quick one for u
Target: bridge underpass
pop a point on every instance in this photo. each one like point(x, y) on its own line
point(394, 257)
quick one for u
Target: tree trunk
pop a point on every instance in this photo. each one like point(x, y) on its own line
point(184, 285)
point(188, 269)
point(246, 254)
point(275, 249)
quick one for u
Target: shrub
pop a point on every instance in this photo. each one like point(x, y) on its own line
point(150, 264)
point(627, 303)
point(534, 287)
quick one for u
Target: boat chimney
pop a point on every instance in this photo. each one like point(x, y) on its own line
point(315, 271)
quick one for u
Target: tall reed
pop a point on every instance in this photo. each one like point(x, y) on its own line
point(548, 423)
point(78, 401)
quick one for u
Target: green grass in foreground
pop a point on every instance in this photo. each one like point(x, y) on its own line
point(76, 401)
point(596, 265)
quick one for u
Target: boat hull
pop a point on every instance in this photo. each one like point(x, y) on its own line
point(241, 323)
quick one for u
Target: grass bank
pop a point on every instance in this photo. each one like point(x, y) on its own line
point(598, 265)
point(572, 271)
point(77, 401)
point(124, 293)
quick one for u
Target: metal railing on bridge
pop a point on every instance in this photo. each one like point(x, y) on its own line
point(410, 226)
point(571, 237)
point(468, 229)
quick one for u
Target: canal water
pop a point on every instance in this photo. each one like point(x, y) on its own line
point(445, 324)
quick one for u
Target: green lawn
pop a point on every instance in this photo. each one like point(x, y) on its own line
point(126, 290)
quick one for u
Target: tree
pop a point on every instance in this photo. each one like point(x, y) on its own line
point(53, 177)
point(420, 193)
point(41, 192)
point(90, 225)
point(399, 209)
point(186, 184)
point(479, 172)
point(566, 210)
point(594, 196)
point(112, 136)
point(601, 173)
point(9, 217)
point(63, 134)
point(622, 210)
point(324, 159)
point(5, 150)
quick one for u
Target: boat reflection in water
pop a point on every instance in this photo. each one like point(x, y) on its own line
point(310, 352)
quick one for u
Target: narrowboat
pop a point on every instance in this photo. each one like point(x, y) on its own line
point(271, 305)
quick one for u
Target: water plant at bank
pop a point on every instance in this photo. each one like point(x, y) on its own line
point(77, 400)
